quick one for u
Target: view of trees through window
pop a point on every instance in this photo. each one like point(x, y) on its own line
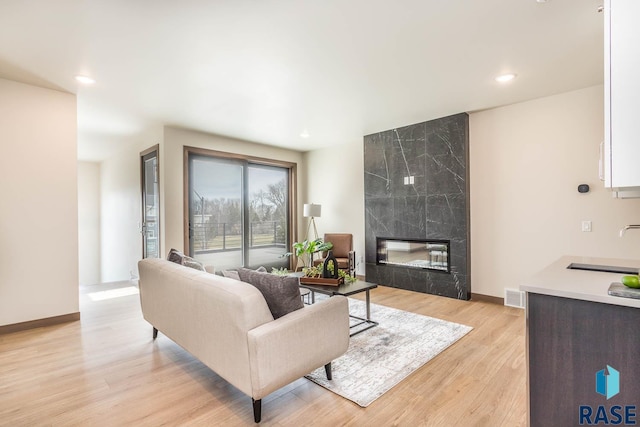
point(218, 204)
point(218, 222)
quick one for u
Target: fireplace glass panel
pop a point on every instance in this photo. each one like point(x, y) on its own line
point(426, 254)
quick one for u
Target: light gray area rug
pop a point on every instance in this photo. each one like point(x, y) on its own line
point(381, 357)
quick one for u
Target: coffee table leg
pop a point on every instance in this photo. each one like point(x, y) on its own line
point(367, 320)
point(368, 305)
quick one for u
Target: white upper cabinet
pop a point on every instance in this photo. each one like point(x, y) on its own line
point(622, 94)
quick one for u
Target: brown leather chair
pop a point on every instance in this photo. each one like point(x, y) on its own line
point(342, 250)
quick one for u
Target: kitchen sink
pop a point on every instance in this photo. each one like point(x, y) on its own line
point(604, 268)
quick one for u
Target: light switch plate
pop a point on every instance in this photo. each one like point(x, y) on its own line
point(586, 226)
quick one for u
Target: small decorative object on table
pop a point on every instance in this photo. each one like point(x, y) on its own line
point(326, 274)
point(329, 266)
point(321, 281)
point(314, 276)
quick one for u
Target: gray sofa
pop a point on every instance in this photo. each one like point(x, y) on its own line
point(227, 325)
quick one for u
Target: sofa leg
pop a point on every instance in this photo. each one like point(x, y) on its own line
point(327, 370)
point(257, 410)
point(155, 333)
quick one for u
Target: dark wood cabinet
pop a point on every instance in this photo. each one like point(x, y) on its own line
point(568, 342)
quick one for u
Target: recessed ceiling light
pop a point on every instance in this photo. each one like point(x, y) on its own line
point(542, 1)
point(85, 80)
point(304, 134)
point(505, 78)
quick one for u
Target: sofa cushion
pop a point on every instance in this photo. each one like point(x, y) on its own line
point(182, 259)
point(281, 293)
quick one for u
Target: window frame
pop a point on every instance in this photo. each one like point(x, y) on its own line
point(150, 152)
point(247, 159)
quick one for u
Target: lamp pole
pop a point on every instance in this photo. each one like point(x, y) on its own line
point(312, 210)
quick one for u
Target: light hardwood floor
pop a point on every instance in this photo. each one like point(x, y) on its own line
point(106, 370)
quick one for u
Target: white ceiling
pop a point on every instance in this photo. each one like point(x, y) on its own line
point(265, 70)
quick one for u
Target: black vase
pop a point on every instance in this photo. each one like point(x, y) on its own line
point(326, 273)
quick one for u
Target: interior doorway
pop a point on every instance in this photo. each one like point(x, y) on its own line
point(150, 225)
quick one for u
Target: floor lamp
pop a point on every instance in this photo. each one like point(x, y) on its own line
point(312, 211)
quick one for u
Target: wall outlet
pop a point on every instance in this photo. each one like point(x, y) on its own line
point(586, 226)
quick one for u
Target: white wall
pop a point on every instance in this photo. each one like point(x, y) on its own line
point(39, 214)
point(526, 162)
point(335, 180)
point(121, 214)
point(89, 222)
point(172, 175)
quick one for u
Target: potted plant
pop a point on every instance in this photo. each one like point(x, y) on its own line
point(304, 250)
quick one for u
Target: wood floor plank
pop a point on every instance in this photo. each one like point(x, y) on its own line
point(106, 370)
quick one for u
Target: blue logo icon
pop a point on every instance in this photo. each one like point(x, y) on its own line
point(608, 382)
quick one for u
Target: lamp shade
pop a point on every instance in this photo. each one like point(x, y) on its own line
point(312, 210)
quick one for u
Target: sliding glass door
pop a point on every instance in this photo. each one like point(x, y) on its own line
point(238, 211)
point(268, 215)
point(215, 211)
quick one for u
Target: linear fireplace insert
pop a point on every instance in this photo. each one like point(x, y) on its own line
point(429, 254)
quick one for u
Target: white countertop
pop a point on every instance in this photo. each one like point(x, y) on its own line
point(558, 280)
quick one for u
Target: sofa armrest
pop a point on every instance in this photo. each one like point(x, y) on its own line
point(294, 345)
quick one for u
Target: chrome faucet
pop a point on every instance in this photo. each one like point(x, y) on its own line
point(628, 227)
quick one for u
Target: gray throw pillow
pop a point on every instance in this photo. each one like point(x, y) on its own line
point(187, 261)
point(175, 256)
point(182, 259)
point(282, 293)
point(231, 274)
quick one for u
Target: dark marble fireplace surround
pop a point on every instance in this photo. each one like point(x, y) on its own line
point(432, 205)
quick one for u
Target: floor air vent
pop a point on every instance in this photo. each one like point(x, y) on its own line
point(514, 298)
